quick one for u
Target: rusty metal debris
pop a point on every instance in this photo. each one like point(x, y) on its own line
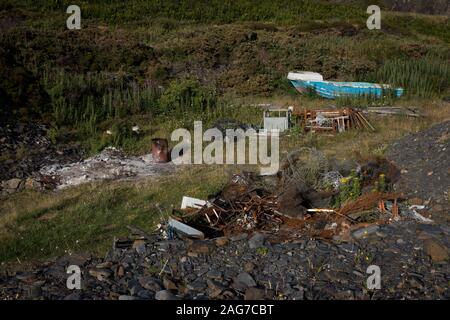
point(294, 204)
point(160, 150)
point(240, 206)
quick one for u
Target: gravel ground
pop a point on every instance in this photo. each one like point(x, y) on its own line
point(424, 160)
point(412, 257)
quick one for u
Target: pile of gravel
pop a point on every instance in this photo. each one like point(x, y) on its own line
point(424, 160)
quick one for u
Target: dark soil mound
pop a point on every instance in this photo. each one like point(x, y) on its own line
point(424, 160)
point(26, 148)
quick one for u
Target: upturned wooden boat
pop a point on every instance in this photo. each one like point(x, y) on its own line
point(304, 81)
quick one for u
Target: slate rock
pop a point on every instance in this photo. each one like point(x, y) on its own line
point(245, 279)
point(256, 241)
point(165, 295)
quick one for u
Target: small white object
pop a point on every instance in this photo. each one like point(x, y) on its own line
point(188, 202)
point(417, 216)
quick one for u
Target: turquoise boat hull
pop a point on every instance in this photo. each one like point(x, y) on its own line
point(333, 90)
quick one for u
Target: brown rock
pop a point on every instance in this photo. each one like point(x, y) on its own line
point(104, 265)
point(32, 184)
point(214, 288)
point(436, 251)
point(169, 284)
point(100, 274)
point(255, 294)
point(249, 267)
point(197, 248)
point(222, 241)
point(120, 271)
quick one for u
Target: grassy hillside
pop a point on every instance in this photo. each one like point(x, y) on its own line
point(164, 63)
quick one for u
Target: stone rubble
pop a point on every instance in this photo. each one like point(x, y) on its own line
point(412, 257)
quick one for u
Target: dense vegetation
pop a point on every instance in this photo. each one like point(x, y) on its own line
point(185, 59)
point(163, 63)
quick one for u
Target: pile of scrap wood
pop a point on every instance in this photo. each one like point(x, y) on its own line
point(332, 120)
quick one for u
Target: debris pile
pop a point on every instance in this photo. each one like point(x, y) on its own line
point(240, 206)
point(306, 197)
point(332, 120)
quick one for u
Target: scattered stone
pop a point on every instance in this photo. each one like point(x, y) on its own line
point(246, 279)
point(104, 265)
point(215, 286)
point(73, 296)
point(197, 248)
point(31, 184)
point(363, 232)
point(234, 272)
point(165, 295)
point(197, 285)
point(256, 241)
point(239, 237)
point(213, 274)
point(34, 292)
point(139, 246)
point(415, 201)
point(13, 184)
point(249, 267)
point(150, 283)
point(100, 274)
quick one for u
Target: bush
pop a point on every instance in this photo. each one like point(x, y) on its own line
point(20, 92)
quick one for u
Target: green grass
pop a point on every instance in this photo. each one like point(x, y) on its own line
point(87, 218)
point(425, 77)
